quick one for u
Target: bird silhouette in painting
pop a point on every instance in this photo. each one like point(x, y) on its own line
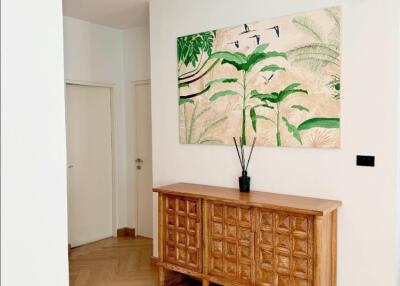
point(246, 29)
point(276, 28)
point(268, 79)
point(236, 43)
point(258, 37)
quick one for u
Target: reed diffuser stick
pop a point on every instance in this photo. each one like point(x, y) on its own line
point(242, 149)
point(237, 150)
point(251, 152)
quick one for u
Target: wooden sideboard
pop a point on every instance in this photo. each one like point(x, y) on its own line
point(222, 236)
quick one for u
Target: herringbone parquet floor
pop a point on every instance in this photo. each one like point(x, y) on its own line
point(114, 262)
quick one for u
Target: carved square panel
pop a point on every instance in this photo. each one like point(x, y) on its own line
point(244, 272)
point(283, 263)
point(230, 231)
point(217, 264)
point(301, 282)
point(192, 224)
point(300, 225)
point(181, 257)
point(245, 216)
point(217, 229)
point(300, 247)
point(181, 221)
point(244, 234)
point(216, 247)
point(283, 249)
point(182, 232)
point(182, 206)
point(217, 212)
point(230, 268)
point(266, 258)
point(284, 280)
point(192, 258)
point(231, 214)
point(266, 238)
point(170, 203)
point(300, 267)
point(171, 236)
point(230, 249)
point(244, 252)
point(266, 220)
point(192, 208)
point(267, 278)
point(182, 238)
point(282, 222)
point(192, 241)
point(171, 219)
point(171, 253)
point(282, 243)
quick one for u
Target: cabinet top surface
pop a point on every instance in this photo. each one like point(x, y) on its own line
point(304, 205)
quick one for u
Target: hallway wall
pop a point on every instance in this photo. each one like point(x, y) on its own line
point(370, 90)
point(136, 54)
point(33, 149)
point(100, 54)
point(93, 53)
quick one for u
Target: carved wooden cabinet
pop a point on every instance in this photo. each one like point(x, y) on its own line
point(183, 232)
point(231, 241)
point(220, 235)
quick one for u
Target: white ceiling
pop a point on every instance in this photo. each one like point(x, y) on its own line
point(120, 14)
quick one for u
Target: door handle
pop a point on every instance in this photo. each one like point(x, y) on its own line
point(138, 160)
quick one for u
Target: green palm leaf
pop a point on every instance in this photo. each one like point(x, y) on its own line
point(290, 89)
point(185, 100)
point(300, 107)
point(219, 94)
point(260, 48)
point(255, 58)
point(254, 117)
point(292, 130)
point(235, 59)
point(272, 68)
point(221, 80)
point(319, 122)
point(271, 97)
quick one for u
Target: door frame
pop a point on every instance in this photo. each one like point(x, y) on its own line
point(112, 87)
point(134, 84)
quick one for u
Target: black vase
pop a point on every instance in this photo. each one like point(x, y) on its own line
point(244, 183)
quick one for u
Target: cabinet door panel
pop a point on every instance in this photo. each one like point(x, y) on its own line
point(231, 241)
point(183, 232)
point(283, 248)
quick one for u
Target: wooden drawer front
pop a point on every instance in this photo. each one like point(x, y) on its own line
point(231, 241)
point(183, 232)
point(284, 249)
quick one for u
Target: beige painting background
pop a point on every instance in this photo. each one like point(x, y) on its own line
point(216, 122)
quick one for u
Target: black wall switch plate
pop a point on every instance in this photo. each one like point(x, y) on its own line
point(368, 161)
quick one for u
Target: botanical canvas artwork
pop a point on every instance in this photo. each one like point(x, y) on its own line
point(277, 80)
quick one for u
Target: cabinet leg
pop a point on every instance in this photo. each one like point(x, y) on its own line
point(206, 282)
point(161, 276)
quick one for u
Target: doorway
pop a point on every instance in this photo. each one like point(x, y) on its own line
point(143, 160)
point(90, 163)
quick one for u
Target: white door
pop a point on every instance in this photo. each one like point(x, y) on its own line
point(88, 120)
point(144, 180)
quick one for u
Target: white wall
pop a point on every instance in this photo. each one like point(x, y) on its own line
point(93, 53)
point(99, 54)
point(398, 165)
point(136, 54)
point(33, 152)
point(370, 51)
